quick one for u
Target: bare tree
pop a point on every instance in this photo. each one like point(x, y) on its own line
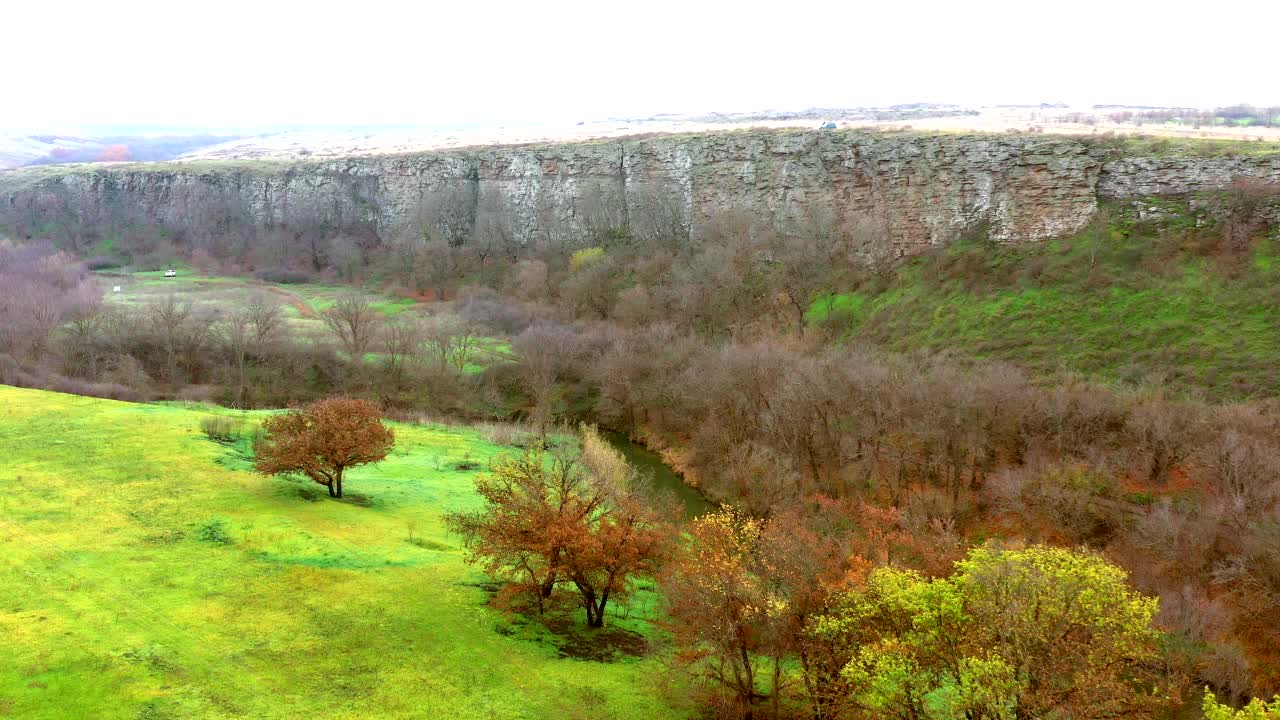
point(448, 214)
point(174, 324)
point(436, 265)
point(601, 214)
point(545, 351)
point(265, 318)
point(1165, 432)
point(658, 216)
point(401, 338)
point(354, 323)
point(42, 289)
point(450, 341)
point(84, 341)
point(237, 332)
point(493, 235)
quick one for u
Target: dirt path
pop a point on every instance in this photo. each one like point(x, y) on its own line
point(303, 308)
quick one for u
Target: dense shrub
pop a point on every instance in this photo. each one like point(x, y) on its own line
point(103, 262)
point(283, 276)
point(486, 308)
point(215, 532)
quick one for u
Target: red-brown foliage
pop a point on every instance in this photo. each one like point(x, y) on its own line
point(323, 440)
point(559, 518)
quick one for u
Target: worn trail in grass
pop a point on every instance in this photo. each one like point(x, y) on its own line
point(147, 574)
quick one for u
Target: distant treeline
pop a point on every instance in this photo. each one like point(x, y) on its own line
point(1239, 115)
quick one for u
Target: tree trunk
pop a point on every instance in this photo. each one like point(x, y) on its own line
point(604, 600)
point(593, 613)
point(548, 587)
point(777, 680)
point(746, 694)
point(594, 608)
point(338, 482)
point(240, 390)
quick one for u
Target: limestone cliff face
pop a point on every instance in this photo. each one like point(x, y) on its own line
point(1140, 176)
point(924, 189)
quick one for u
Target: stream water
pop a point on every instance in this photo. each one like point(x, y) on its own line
point(664, 478)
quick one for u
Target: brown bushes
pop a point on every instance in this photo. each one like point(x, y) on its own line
point(1184, 494)
point(283, 276)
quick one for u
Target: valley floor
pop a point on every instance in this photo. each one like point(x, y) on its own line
point(147, 573)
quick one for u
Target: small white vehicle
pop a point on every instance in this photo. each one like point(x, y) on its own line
point(115, 288)
point(171, 273)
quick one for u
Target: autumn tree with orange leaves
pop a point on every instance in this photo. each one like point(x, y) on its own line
point(574, 518)
point(744, 591)
point(323, 440)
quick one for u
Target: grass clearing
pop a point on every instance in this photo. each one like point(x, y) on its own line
point(149, 574)
point(302, 303)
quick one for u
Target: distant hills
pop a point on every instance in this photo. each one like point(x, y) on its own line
point(17, 150)
point(151, 143)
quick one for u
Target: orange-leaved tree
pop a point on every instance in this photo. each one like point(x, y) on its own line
point(519, 535)
point(576, 518)
point(322, 440)
point(743, 593)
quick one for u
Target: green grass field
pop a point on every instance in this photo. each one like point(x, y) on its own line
point(301, 303)
point(1121, 303)
point(147, 574)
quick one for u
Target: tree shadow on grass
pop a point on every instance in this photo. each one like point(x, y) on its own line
point(562, 627)
point(606, 644)
point(356, 499)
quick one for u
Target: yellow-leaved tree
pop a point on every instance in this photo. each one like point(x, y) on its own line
point(1257, 709)
point(1011, 635)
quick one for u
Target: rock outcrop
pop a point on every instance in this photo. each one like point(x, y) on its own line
point(1179, 175)
point(925, 189)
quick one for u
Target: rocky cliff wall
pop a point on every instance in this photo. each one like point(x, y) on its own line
point(925, 189)
point(1178, 175)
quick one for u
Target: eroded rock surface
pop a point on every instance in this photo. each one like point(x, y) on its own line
point(925, 189)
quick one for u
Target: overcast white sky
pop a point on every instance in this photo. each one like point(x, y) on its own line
point(237, 63)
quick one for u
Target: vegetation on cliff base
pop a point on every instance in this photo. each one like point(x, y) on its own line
point(1127, 300)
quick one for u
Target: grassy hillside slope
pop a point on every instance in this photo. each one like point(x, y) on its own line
point(147, 574)
point(1129, 301)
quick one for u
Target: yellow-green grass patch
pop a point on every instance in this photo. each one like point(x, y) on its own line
point(148, 573)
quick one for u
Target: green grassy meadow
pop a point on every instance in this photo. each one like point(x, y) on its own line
point(1127, 302)
point(301, 303)
point(148, 574)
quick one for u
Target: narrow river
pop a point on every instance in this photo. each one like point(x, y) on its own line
point(664, 478)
